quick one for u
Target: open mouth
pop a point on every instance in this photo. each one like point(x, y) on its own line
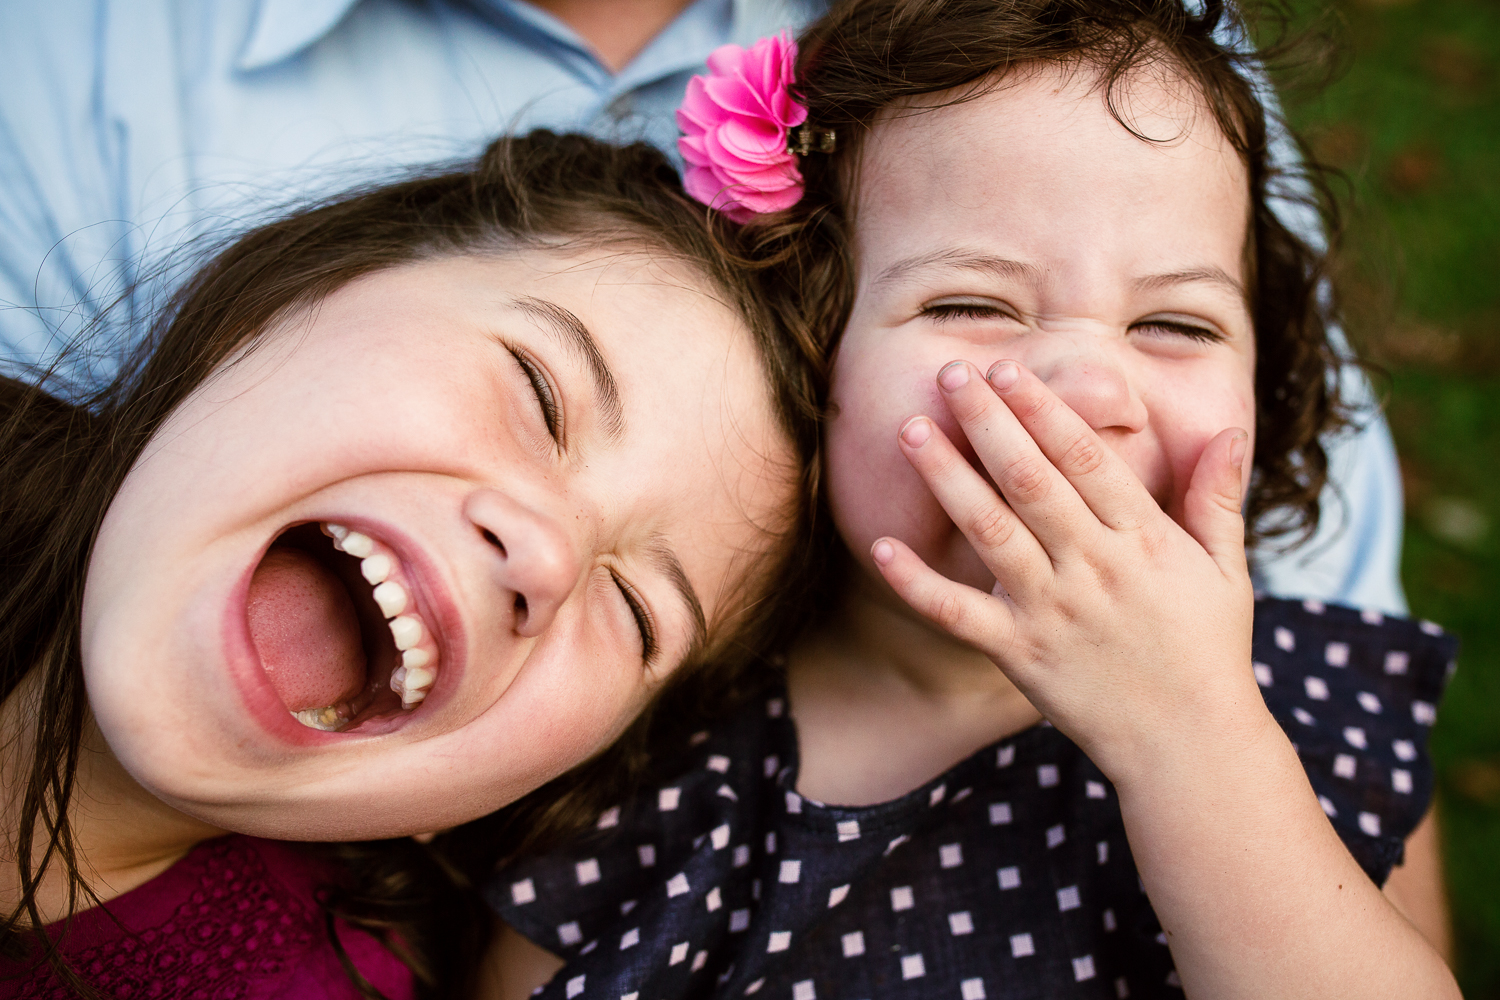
point(333, 619)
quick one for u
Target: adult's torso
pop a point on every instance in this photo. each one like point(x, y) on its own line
point(129, 128)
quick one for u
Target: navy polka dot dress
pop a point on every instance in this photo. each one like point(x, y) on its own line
point(1007, 877)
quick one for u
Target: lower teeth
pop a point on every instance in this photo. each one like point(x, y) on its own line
point(328, 719)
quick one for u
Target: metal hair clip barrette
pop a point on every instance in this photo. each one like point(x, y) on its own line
point(802, 140)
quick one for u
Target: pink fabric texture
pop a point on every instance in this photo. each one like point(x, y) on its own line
point(236, 919)
point(735, 123)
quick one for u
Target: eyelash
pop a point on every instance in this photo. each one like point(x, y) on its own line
point(545, 397)
point(643, 620)
point(1201, 334)
point(964, 310)
point(973, 310)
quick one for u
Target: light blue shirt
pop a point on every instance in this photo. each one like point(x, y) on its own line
point(132, 131)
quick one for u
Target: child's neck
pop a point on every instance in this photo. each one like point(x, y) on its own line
point(885, 702)
point(123, 836)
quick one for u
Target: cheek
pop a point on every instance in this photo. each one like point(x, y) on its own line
point(870, 483)
point(872, 489)
point(1199, 410)
point(571, 698)
point(587, 692)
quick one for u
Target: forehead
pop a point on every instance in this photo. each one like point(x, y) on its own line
point(655, 322)
point(1040, 153)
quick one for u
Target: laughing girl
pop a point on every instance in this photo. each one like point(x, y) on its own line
point(370, 541)
point(1042, 741)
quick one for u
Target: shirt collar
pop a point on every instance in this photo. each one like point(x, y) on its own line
point(684, 44)
point(283, 28)
point(755, 19)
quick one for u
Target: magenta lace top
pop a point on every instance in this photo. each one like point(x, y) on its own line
point(235, 918)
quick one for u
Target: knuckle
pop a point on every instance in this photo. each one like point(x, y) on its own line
point(1083, 455)
point(948, 612)
point(1032, 407)
point(1156, 543)
point(991, 526)
point(1025, 481)
point(1211, 499)
point(1230, 505)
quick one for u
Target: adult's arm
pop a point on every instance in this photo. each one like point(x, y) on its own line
point(1416, 888)
point(514, 966)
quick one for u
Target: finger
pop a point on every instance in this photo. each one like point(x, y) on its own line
point(1001, 540)
point(1036, 490)
point(982, 620)
point(1211, 508)
point(1101, 478)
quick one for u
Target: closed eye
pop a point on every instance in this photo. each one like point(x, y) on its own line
point(644, 623)
point(546, 396)
point(1178, 328)
point(942, 310)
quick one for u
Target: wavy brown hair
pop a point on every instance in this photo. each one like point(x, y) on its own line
point(61, 464)
point(868, 57)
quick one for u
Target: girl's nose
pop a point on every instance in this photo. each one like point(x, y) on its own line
point(1094, 384)
point(538, 561)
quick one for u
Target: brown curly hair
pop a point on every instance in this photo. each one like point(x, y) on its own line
point(867, 56)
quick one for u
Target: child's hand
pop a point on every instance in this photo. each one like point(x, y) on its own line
point(1129, 632)
point(1132, 635)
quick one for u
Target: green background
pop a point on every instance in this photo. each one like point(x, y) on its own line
point(1412, 119)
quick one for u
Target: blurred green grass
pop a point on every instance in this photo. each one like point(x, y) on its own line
point(1414, 123)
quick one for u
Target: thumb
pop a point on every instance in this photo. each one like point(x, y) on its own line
point(1211, 509)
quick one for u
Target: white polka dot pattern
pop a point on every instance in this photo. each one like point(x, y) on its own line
point(1009, 876)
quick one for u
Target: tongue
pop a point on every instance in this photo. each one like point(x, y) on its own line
point(305, 628)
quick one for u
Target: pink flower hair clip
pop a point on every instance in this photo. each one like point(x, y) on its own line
point(742, 131)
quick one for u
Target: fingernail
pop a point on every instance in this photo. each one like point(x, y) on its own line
point(1237, 445)
point(916, 431)
point(1003, 374)
point(882, 552)
point(955, 375)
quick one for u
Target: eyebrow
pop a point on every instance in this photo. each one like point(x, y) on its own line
point(667, 563)
point(569, 330)
point(959, 260)
point(1213, 275)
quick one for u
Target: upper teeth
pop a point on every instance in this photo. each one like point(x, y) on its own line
point(355, 544)
point(376, 568)
point(391, 597)
point(413, 678)
point(406, 630)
